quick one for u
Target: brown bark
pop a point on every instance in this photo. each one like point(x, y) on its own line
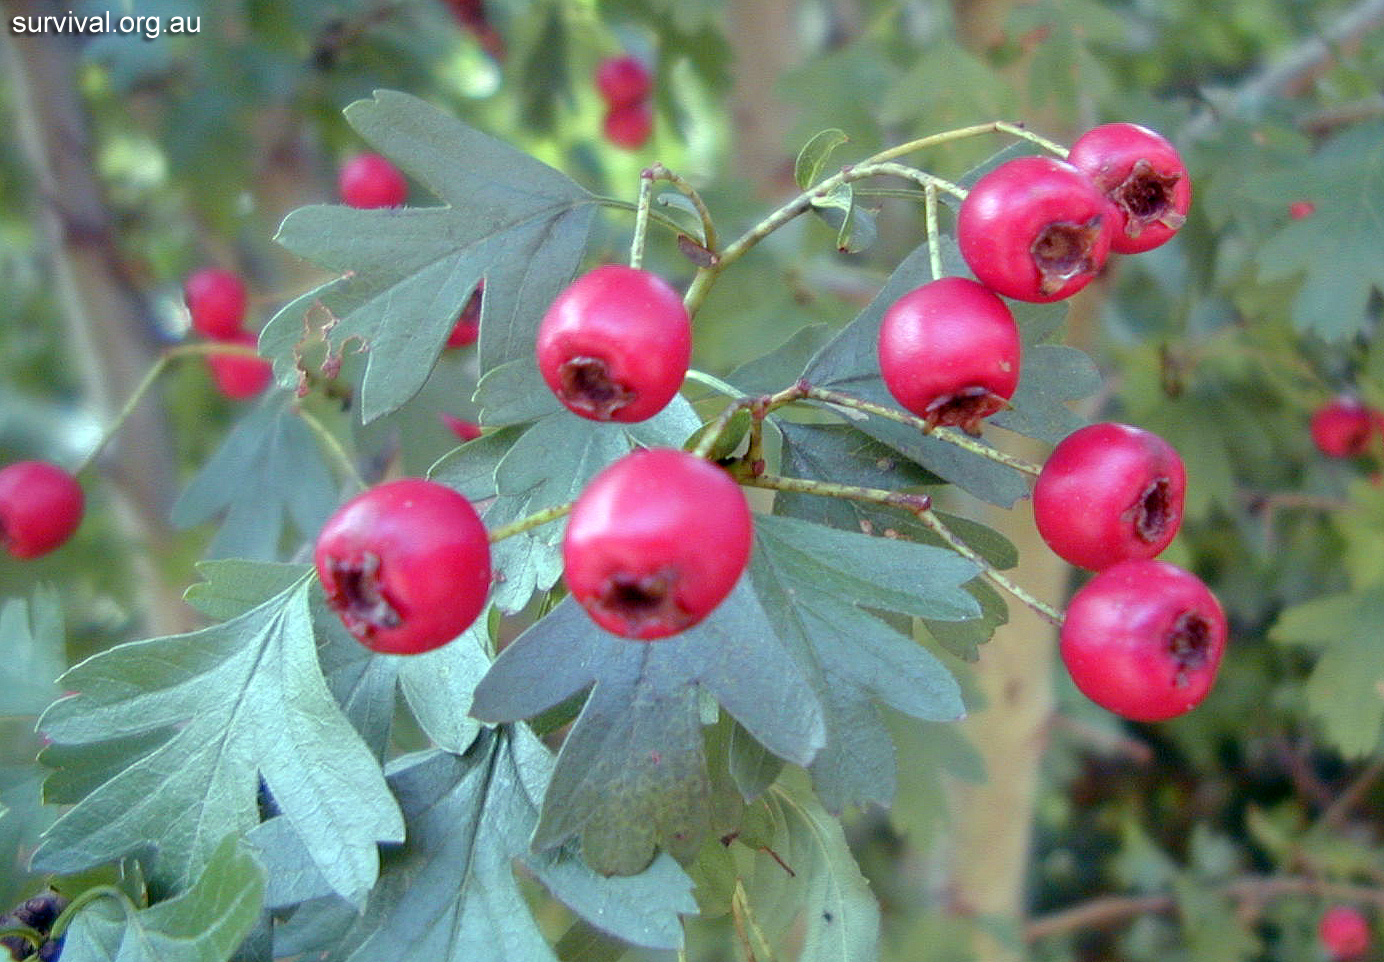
point(764, 43)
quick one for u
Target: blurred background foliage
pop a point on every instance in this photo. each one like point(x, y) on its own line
point(1219, 836)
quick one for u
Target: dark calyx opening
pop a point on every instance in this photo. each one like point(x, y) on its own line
point(1189, 643)
point(588, 386)
point(1153, 512)
point(359, 598)
point(1355, 443)
point(645, 602)
point(1146, 197)
point(965, 409)
point(1062, 250)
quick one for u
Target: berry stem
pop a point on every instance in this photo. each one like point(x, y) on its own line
point(656, 217)
point(759, 407)
point(61, 923)
point(964, 133)
point(942, 434)
point(641, 218)
point(166, 358)
point(680, 183)
point(922, 178)
point(830, 489)
point(747, 929)
point(997, 578)
point(934, 249)
point(333, 446)
point(537, 519)
point(715, 383)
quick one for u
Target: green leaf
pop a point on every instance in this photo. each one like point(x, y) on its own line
point(813, 157)
point(1213, 928)
point(783, 365)
point(31, 636)
point(826, 899)
point(471, 467)
point(514, 393)
point(1344, 688)
point(450, 893)
point(817, 584)
point(207, 922)
point(855, 227)
point(631, 776)
point(1339, 250)
point(406, 274)
point(268, 472)
point(250, 702)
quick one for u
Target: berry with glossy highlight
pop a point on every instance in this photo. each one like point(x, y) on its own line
point(405, 565)
point(1144, 640)
point(1109, 493)
point(41, 505)
point(239, 376)
point(655, 542)
point(949, 352)
point(615, 345)
point(1342, 427)
point(369, 181)
point(1344, 933)
point(1034, 229)
point(216, 300)
point(623, 80)
point(1143, 176)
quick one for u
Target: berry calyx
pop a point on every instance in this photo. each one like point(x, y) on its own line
point(623, 80)
point(216, 301)
point(369, 181)
point(1144, 178)
point(41, 505)
point(1034, 229)
point(1344, 933)
point(1342, 427)
point(615, 345)
point(405, 565)
point(1144, 640)
point(628, 126)
point(1109, 493)
point(655, 542)
point(468, 325)
point(238, 376)
point(949, 352)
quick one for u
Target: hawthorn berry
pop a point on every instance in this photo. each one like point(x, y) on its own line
point(629, 126)
point(405, 565)
point(464, 430)
point(615, 345)
point(41, 505)
point(655, 542)
point(1342, 427)
point(1344, 933)
point(949, 352)
point(1301, 209)
point(1144, 178)
point(623, 80)
point(370, 180)
point(1144, 639)
point(468, 326)
point(1034, 229)
point(238, 376)
point(1109, 493)
point(216, 300)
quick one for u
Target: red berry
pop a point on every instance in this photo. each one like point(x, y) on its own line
point(40, 506)
point(238, 376)
point(1342, 427)
point(655, 542)
point(1143, 176)
point(462, 428)
point(369, 181)
point(1035, 229)
point(1301, 209)
point(949, 352)
point(1344, 933)
point(629, 125)
point(406, 565)
point(615, 345)
point(1109, 493)
point(468, 325)
point(623, 80)
point(1144, 639)
point(216, 300)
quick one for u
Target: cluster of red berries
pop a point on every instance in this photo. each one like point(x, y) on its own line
point(216, 301)
point(1344, 427)
point(625, 84)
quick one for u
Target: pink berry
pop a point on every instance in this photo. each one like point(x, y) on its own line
point(1034, 229)
point(370, 181)
point(1342, 427)
point(237, 376)
point(1143, 176)
point(1344, 933)
point(1301, 209)
point(216, 300)
point(623, 80)
point(465, 430)
point(41, 505)
point(468, 325)
point(629, 126)
point(949, 352)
